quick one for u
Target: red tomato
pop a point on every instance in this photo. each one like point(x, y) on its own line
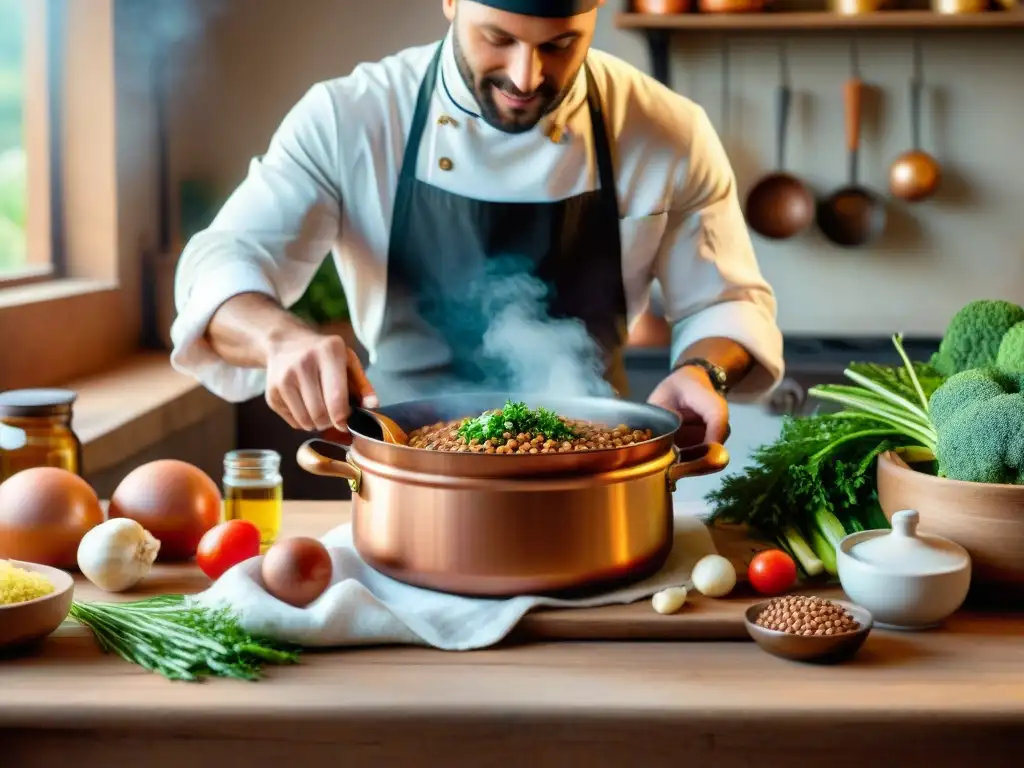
point(226, 545)
point(772, 572)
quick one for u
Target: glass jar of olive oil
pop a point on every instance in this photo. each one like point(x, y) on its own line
point(253, 491)
point(35, 431)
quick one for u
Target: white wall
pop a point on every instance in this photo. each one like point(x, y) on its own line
point(261, 55)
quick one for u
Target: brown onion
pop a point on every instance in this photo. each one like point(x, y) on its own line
point(44, 513)
point(173, 500)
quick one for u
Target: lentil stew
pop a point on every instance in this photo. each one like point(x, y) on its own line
point(517, 430)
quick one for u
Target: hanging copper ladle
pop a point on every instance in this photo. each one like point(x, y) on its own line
point(780, 205)
point(915, 175)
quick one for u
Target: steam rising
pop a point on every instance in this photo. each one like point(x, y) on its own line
point(523, 348)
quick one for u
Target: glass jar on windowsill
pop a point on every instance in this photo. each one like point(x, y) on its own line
point(35, 431)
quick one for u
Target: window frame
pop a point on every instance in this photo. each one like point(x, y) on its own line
point(79, 312)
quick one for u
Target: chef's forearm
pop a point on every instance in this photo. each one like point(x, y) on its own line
point(730, 356)
point(247, 327)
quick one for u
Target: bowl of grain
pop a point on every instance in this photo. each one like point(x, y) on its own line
point(34, 600)
point(813, 629)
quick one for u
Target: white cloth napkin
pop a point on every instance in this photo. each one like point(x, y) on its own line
point(364, 607)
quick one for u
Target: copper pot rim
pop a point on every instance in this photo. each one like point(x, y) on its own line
point(674, 463)
point(497, 399)
point(666, 426)
point(896, 464)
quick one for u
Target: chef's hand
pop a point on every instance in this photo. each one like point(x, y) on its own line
point(689, 392)
point(309, 379)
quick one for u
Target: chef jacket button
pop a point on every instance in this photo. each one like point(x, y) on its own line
point(446, 164)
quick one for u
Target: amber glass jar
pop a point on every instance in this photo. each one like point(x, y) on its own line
point(35, 431)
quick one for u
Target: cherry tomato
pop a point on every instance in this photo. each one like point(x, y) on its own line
point(226, 545)
point(772, 572)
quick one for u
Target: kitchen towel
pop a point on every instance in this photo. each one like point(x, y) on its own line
point(364, 607)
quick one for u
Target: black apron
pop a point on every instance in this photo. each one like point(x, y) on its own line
point(455, 264)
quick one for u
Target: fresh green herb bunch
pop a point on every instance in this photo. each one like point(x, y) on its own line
point(816, 482)
point(181, 642)
point(516, 418)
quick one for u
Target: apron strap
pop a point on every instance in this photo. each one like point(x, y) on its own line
point(602, 148)
point(407, 174)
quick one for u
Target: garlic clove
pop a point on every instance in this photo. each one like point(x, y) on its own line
point(117, 554)
point(669, 600)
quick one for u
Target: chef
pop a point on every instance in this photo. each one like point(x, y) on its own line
point(508, 148)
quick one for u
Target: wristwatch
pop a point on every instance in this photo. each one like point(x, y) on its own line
point(719, 379)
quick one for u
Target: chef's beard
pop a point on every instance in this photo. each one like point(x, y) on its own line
point(548, 96)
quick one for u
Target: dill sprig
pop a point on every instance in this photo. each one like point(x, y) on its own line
point(168, 636)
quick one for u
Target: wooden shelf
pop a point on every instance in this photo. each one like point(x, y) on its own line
point(820, 21)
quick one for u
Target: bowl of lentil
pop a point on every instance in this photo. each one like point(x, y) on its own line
point(813, 629)
point(34, 600)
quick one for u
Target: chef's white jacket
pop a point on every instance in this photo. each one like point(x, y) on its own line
point(327, 184)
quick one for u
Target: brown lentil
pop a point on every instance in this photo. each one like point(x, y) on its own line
point(797, 615)
point(444, 436)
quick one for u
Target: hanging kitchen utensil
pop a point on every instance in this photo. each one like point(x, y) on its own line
point(852, 215)
point(915, 175)
point(780, 205)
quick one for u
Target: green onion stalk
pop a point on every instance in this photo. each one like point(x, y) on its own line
point(893, 411)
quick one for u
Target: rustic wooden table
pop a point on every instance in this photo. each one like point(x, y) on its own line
point(948, 697)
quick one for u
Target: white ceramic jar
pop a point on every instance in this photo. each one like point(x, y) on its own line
point(905, 579)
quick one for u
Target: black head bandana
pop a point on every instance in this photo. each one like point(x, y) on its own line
point(549, 9)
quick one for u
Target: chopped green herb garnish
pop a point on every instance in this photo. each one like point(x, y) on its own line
point(516, 418)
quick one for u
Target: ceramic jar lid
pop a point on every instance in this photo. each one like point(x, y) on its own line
point(905, 551)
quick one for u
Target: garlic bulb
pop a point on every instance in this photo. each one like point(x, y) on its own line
point(714, 576)
point(117, 555)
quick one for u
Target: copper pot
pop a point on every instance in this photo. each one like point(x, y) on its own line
point(502, 525)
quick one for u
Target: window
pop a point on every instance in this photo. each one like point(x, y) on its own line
point(26, 153)
point(13, 161)
point(75, 123)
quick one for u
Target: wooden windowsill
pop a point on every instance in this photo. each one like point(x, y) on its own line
point(22, 293)
point(135, 405)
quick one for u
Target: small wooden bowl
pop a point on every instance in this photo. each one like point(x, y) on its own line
point(25, 623)
point(820, 649)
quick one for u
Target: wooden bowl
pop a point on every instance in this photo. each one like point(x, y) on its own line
point(819, 649)
point(986, 520)
point(24, 623)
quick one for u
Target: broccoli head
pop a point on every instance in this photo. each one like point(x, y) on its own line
point(1010, 357)
point(979, 417)
point(974, 334)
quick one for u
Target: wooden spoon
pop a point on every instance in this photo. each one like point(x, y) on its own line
point(365, 420)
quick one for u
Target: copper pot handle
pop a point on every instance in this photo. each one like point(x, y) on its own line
point(697, 460)
point(316, 463)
